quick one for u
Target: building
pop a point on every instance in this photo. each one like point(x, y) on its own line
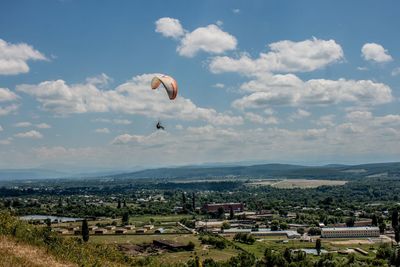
point(236, 207)
point(100, 231)
point(141, 230)
point(110, 227)
point(263, 232)
point(342, 232)
point(148, 226)
point(159, 231)
point(129, 227)
point(121, 231)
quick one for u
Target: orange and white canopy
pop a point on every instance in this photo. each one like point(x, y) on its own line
point(169, 84)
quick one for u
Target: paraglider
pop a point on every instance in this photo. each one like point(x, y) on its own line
point(169, 84)
point(159, 126)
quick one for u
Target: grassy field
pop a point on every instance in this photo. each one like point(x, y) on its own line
point(14, 253)
point(297, 183)
point(170, 257)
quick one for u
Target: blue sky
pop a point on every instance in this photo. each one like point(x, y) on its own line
point(309, 82)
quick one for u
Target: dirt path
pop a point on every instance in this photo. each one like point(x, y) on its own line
point(13, 253)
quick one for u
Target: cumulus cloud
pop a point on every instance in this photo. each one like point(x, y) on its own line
point(132, 97)
point(255, 118)
point(8, 109)
point(30, 135)
point(114, 121)
point(375, 52)
point(299, 114)
point(102, 130)
point(396, 71)
point(289, 90)
point(43, 126)
point(6, 141)
point(210, 39)
point(219, 85)
point(23, 124)
point(236, 11)
point(284, 56)
point(169, 27)
point(99, 80)
point(7, 95)
point(14, 57)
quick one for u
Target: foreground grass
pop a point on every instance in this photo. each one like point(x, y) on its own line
point(13, 253)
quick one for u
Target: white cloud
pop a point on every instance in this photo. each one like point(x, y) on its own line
point(219, 85)
point(121, 121)
point(132, 97)
point(1, 128)
point(169, 27)
point(326, 120)
point(114, 121)
point(299, 114)
point(285, 56)
point(210, 39)
point(14, 57)
point(43, 126)
point(7, 95)
point(396, 71)
point(288, 90)
point(99, 80)
point(102, 130)
point(236, 11)
point(30, 135)
point(6, 141)
point(8, 109)
point(255, 118)
point(23, 124)
point(375, 52)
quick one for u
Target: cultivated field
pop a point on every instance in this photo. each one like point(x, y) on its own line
point(297, 183)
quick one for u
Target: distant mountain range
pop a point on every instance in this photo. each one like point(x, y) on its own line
point(331, 171)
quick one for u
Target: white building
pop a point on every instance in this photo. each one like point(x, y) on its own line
point(340, 232)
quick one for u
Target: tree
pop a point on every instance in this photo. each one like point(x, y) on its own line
point(382, 227)
point(274, 225)
point(85, 231)
point(124, 203)
point(300, 230)
point(284, 226)
point(125, 218)
point(287, 254)
point(221, 213)
point(119, 204)
point(350, 222)
point(318, 246)
point(395, 218)
point(397, 234)
point(231, 213)
point(374, 220)
point(193, 201)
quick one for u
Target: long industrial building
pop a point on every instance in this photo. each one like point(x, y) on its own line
point(342, 232)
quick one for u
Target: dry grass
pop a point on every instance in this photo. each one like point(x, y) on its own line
point(13, 253)
point(305, 183)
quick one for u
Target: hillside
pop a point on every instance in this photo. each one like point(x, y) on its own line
point(269, 171)
point(14, 253)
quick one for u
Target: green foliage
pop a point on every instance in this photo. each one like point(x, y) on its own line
point(244, 238)
point(67, 249)
point(213, 240)
point(85, 231)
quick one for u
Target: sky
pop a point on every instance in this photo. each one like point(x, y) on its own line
point(306, 82)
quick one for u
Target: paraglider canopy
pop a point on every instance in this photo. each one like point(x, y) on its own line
point(169, 84)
